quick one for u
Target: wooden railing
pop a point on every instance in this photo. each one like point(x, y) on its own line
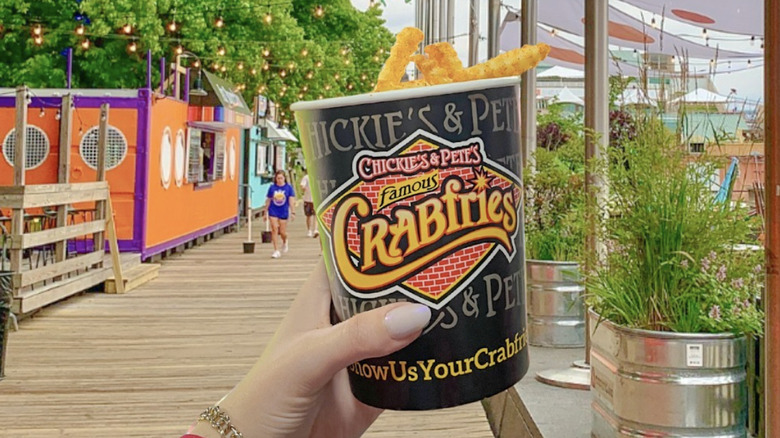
point(28, 280)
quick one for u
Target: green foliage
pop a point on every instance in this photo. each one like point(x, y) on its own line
point(555, 196)
point(306, 46)
point(670, 262)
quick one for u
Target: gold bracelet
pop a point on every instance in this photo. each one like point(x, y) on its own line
point(221, 422)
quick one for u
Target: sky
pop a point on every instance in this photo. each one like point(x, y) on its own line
point(749, 83)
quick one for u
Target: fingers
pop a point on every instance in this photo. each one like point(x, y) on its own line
point(375, 333)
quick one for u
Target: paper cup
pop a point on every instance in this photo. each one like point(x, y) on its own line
point(419, 198)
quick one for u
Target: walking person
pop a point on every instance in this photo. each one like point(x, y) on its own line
point(279, 206)
point(308, 206)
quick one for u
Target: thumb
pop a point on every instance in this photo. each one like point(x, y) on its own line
point(375, 333)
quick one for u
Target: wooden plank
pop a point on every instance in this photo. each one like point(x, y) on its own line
point(63, 169)
point(20, 143)
point(111, 231)
point(53, 235)
point(134, 278)
point(98, 239)
point(48, 199)
point(52, 188)
point(48, 272)
point(55, 292)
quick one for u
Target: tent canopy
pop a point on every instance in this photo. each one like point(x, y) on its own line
point(566, 96)
point(701, 95)
point(558, 71)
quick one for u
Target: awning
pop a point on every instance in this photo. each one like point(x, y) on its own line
point(221, 93)
point(209, 126)
point(275, 132)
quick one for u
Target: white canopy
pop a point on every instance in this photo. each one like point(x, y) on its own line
point(635, 96)
point(566, 96)
point(277, 133)
point(701, 95)
point(558, 71)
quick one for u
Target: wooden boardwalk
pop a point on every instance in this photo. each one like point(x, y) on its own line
point(146, 363)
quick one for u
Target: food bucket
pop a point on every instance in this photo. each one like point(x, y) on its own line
point(419, 197)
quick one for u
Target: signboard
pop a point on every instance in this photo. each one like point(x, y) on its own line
point(261, 106)
point(193, 155)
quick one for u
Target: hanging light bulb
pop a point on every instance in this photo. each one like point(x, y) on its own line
point(653, 24)
point(179, 49)
point(266, 66)
point(553, 32)
point(253, 71)
point(319, 11)
point(337, 76)
point(37, 30)
point(376, 58)
point(223, 68)
point(85, 44)
point(38, 40)
point(58, 115)
point(172, 26)
point(219, 23)
point(346, 62)
point(215, 66)
point(127, 29)
point(291, 65)
point(261, 89)
point(300, 95)
point(320, 97)
point(305, 88)
point(80, 30)
point(132, 47)
point(363, 77)
point(196, 64)
point(305, 52)
point(344, 51)
point(318, 64)
point(373, 84)
point(42, 113)
point(704, 32)
point(309, 74)
point(281, 94)
point(284, 88)
point(221, 51)
point(266, 52)
point(349, 86)
point(283, 73)
point(268, 18)
point(327, 87)
point(240, 66)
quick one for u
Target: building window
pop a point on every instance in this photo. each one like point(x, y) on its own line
point(36, 147)
point(696, 148)
point(116, 149)
point(206, 156)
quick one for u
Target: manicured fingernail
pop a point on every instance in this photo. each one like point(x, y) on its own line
point(407, 319)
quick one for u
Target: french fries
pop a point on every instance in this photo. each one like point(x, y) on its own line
point(440, 63)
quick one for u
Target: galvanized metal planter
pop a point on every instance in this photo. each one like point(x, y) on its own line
point(556, 310)
point(662, 384)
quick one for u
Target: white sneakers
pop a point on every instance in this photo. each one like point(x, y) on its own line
point(310, 233)
point(276, 255)
point(316, 234)
point(286, 247)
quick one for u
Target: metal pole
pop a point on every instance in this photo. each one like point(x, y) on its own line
point(596, 119)
point(451, 21)
point(149, 69)
point(474, 32)
point(494, 18)
point(772, 246)
point(69, 74)
point(528, 86)
point(444, 19)
point(435, 18)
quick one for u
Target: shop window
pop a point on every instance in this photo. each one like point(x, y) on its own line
point(36, 144)
point(116, 149)
point(206, 156)
point(262, 159)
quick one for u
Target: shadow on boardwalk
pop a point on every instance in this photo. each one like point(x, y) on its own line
point(146, 363)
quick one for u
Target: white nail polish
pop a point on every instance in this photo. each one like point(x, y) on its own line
point(407, 319)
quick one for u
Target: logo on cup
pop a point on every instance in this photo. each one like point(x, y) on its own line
point(422, 219)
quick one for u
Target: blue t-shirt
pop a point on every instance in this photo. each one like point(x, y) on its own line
point(280, 200)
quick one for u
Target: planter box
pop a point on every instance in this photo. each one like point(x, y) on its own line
point(653, 384)
point(556, 312)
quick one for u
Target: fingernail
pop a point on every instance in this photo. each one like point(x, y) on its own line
point(407, 319)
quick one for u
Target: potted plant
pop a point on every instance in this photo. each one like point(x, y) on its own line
point(555, 233)
point(672, 298)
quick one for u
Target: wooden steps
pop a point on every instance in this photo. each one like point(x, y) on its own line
point(134, 277)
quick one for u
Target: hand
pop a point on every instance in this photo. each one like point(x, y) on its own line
point(299, 387)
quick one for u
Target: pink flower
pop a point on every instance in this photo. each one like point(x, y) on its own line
point(721, 275)
point(758, 268)
point(737, 283)
point(705, 265)
point(684, 263)
point(715, 312)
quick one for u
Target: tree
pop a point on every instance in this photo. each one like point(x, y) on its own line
point(288, 52)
